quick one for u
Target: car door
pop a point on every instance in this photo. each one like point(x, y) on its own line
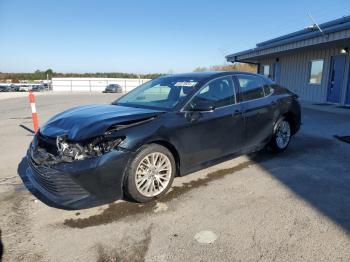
point(208, 135)
point(257, 108)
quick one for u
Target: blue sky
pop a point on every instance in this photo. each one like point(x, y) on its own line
point(144, 36)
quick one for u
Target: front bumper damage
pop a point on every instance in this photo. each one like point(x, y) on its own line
point(80, 184)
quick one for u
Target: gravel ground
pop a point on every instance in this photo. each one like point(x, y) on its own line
point(289, 207)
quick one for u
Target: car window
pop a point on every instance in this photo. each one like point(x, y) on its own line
point(267, 86)
point(251, 87)
point(267, 89)
point(161, 93)
point(158, 92)
point(220, 91)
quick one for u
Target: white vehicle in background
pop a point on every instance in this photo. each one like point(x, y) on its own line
point(24, 88)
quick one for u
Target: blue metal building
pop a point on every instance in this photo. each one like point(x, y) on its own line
point(314, 62)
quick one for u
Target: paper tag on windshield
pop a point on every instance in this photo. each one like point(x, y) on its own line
point(189, 84)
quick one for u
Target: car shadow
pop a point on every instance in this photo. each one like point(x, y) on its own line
point(317, 170)
point(27, 129)
point(1, 247)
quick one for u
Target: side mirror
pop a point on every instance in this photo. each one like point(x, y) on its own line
point(204, 106)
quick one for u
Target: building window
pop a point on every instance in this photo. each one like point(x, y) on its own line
point(266, 70)
point(316, 69)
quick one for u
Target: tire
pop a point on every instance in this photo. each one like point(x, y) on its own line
point(144, 181)
point(282, 135)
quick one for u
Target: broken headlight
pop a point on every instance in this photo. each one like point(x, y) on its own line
point(70, 151)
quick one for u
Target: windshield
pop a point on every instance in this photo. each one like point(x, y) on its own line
point(161, 93)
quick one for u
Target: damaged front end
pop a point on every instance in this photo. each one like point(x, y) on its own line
point(61, 149)
point(77, 174)
point(69, 151)
point(79, 164)
point(51, 151)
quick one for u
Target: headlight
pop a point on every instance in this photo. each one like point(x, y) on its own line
point(98, 146)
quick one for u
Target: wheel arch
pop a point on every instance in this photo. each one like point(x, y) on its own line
point(292, 121)
point(172, 150)
point(157, 141)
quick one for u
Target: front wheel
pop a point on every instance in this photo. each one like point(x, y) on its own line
point(282, 135)
point(150, 174)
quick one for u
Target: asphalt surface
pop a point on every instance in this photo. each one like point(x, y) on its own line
point(289, 207)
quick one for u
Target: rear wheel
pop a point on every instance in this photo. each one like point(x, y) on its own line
point(282, 135)
point(150, 173)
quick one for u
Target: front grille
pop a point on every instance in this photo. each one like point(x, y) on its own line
point(58, 184)
point(47, 143)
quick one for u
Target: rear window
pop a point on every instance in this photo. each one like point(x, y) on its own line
point(251, 87)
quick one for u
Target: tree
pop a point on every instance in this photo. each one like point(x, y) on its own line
point(41, 75)
point(200, 69)
point(229, 67)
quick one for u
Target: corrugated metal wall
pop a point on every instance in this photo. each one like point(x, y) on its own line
point(295, 70)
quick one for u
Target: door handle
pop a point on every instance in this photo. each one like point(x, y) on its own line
point(273, 103)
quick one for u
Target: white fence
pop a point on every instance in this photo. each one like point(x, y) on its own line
point(94, 84)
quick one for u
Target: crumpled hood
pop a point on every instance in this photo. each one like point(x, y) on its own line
point(84, 122)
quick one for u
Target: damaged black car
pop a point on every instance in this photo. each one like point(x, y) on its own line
point(167, 127)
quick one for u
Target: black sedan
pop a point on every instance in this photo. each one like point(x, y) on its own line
point(168, 127)
point(38, 88)
point(4, 88)
point(113, 88)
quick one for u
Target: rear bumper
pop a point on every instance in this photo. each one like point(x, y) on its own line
point(80, 184)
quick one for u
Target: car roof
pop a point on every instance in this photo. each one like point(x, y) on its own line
point(209, 74)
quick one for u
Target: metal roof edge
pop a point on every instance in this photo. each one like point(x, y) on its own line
point(323, 26)
point(329, 27)
point(312, 34)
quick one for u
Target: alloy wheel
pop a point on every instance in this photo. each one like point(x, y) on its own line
point(283, 134)
point(153, 174)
